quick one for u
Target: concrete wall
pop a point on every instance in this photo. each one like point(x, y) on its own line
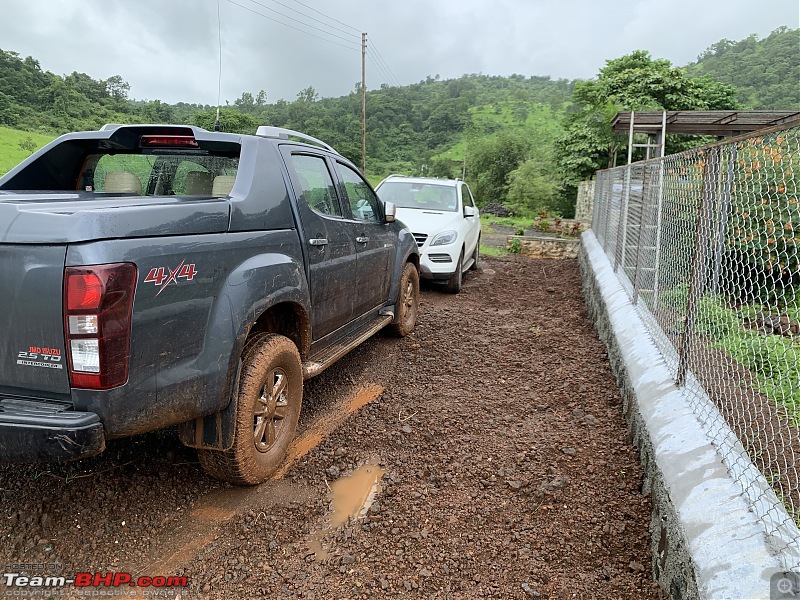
point(706, 543)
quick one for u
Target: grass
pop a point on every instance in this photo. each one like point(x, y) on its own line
point(11, 154)
point(524, 222)
point(495, 251)
point(774, 360)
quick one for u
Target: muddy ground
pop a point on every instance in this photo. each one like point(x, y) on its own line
point(508, 472)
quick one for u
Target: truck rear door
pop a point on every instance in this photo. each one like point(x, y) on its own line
point(375, 243)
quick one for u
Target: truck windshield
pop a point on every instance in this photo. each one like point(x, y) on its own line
point(424, 196)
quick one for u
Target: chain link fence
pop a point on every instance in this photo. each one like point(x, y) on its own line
point(707, 245)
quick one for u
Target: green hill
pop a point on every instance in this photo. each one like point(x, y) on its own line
point(764, 72)
point(12, 142)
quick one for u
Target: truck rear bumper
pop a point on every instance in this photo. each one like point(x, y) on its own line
point(33, 431)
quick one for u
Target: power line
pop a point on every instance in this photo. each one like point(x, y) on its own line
point(327, 16)
point(385, 64)
point(384, 74)
point(302, 22)
point(293, 27)
point(317, 20)
point(383, 69)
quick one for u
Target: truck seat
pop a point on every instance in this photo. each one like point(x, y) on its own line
point(122, 181)
point(223, 184)
point(199, 183)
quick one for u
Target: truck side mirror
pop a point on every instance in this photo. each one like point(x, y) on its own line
point(390, 211)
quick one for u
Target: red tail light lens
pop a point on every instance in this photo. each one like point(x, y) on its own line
point(98, 302)
point(85, 291)
point(168, 140)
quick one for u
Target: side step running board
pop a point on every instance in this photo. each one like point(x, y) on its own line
point(467, 265)
point(323, 360)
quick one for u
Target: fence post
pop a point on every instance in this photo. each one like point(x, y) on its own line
point(645, 192)
point(702, 232)
point(623, 220)
point(659, 211)
point(725, 205)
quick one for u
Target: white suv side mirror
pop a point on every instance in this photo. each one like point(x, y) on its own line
point(469, 211)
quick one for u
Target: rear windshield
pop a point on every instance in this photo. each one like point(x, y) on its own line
point(426, 196)
point(182, 174)
point(135, 160)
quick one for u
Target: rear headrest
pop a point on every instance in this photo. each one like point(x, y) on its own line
point(199, 183)
point(223, 184)
point(122, 181)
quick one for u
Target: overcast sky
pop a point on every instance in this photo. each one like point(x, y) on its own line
point(168, 49)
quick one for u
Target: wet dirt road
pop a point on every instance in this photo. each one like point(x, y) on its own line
point(489, 448)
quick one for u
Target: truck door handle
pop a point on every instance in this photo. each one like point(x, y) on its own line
point(318, 241)
point(362, 240)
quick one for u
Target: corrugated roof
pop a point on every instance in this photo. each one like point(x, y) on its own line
point(703, 122)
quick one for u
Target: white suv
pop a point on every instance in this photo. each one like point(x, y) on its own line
point(443, 217)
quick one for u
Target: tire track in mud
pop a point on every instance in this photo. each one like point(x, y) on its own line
point(181, 543)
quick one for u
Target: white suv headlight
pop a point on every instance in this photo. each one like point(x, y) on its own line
point(444, 238)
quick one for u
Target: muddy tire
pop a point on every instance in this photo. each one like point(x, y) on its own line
point(476, 255)
point(453, 285)
point(407, 302)
point(267, 410)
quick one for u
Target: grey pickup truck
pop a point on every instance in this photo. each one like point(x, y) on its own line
point(157, 275)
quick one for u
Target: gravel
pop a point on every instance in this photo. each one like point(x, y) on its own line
point(509, 472)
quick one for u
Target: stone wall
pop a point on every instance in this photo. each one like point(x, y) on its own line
point(545, 247)
point(585, 202)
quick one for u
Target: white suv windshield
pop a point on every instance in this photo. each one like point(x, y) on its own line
point(424, 196)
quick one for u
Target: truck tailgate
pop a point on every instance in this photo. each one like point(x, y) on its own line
point(32, 357)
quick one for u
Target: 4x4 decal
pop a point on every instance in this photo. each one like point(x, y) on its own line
point(158, 275)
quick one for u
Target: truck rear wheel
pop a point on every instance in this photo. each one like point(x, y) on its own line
point(267, 410)
point(408, 302)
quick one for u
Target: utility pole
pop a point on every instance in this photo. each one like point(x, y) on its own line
point(363, 105)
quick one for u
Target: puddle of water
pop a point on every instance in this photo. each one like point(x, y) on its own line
point(351, 498)
point(212, 513)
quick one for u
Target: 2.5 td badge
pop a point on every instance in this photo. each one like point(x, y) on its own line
point(35, 356)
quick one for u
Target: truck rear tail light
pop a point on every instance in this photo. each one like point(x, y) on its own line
point(85, 291)
point(98, 301)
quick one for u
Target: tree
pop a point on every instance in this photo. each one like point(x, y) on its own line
point(531, 189)
point(117, 88)
point(635, 81)
point(231, 121)
point(492, 159)
point(309, 94)
point(27, 144)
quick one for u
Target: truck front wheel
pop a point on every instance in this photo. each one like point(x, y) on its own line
point(267, 410)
